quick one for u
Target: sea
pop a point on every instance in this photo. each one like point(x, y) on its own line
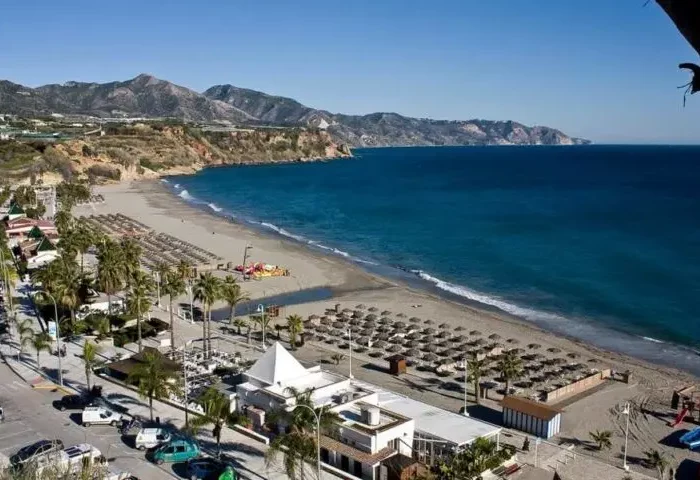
point(599, 243)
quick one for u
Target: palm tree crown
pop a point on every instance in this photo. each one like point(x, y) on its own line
point(207, 290)
point(295, 326)
point(139, 298)
point(510, 367)
point(154, 379)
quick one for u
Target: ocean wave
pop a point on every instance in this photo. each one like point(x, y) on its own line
point(184, 194)
point(526, 313)
point(282, 231)
point(214, 207)
point(164, 180)
point(654, 340)
point(177, 185)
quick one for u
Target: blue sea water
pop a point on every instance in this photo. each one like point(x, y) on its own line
point(601, 243)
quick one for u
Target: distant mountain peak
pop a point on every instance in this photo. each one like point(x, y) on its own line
point(148, 96)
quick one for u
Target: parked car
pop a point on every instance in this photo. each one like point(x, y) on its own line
point(35, 450)
point(208, 469)
point(176, 450)
point(100, 416)
point(78, 402)
point(151, 437)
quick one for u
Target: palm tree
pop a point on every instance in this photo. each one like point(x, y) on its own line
point(475, 370)
point(298, 447)
point(161, 269)
point(658, 461)
point(41, 342)
point(207, 291)
point(154, 379)
point(111, 272)
point(184, 270)
point(139, 298)
point(602, 439)
point(217, 412)
point(510, 367)
point(173, 286)
point(90, 351)
point(25, 332)
point(264, 322)
point(83, 238)
point(337, 358)
point(295, 326)
point(239, 323)
point(67, 284)
point(63, 221)
point(131, 256)
point(232, 294)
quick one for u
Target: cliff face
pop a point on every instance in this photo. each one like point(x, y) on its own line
point(150, 151)
point(147, 96)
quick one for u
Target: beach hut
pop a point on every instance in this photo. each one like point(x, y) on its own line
point(530, 416)
point(397, 364)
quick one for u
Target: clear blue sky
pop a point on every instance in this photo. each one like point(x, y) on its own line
point(601, 69)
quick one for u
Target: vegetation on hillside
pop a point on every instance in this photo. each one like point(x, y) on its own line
point(157, 148)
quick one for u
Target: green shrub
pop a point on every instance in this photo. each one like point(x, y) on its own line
point(103, 171)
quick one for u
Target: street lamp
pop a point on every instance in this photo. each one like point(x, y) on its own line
point(466, 375)
point(58, 334)
point(318, 436)
point(189, 291)
point(245, 258)
point(626, 412)
point(156, 276)
point(350, 348)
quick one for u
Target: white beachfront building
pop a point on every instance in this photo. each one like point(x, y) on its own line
point(376, 424)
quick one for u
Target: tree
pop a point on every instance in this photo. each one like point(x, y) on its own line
point(184, 270)
point(90, 351)
point(239, 323)
point(217, 412)
point(131, 258)
point(337, 358)
point(161, 269)
point(298, 446)
point(468, 463)
point(232, 294)
point(25, 332)
point(658, 461)
point(207, 291)
point(63, 221)
point(111, 272)
point(139, 298)
point(83, 237)
point(295, 326)
point(602, 439)
point(153, 379)
point(475, 370)
point(41, 342)
point(263, 321)
point(67, 284)
point(510, 367)
point(173, 287)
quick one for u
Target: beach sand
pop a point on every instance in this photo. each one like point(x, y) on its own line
point(651, 385)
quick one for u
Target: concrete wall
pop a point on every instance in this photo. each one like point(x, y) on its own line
point(577, 387)
point(404, 432)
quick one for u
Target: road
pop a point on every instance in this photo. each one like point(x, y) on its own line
point(31, 416)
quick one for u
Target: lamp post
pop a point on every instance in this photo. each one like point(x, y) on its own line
point(466, 375)
point(185, 392)
point(318, 437)
point(350, 348)
point(189, 292)
point(156, 276)
point(626, 412)
point(261, 311)
point(58, 334)
point(245, 258)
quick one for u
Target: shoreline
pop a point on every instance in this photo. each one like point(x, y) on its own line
point(617, 345)
point(352, 282)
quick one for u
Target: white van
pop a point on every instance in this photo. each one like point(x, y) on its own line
point(151, 437)
point(72, 459)
point(100, 416)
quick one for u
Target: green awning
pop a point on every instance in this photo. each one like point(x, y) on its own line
point(35, 232)
point(15, 209)
point(45, 246)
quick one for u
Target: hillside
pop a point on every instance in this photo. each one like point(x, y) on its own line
point(154, 150)
point(147, 96)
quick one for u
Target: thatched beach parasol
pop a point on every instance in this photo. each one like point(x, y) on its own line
point(371, 317)
point(431, 347)
point(412, 353)
point(314, 317)
point(553, 350)
point(394, 348)
point(401, 315)
point(534, 346)
point(429, 322)
point(414, 320)
point(460, 328)
point(475, 333)
point(444, 326)
point(373, 309)
point(385, 321)
point(380, 344)
point(361, 306)
point(429, 331)
point(326, 321)
point(386, 313)
point(495, 336)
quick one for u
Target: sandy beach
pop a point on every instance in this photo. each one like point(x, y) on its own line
point(650, 388)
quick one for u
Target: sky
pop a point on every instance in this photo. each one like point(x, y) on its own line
point(606, 70)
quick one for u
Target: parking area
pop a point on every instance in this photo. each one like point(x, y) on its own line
point(30, 416)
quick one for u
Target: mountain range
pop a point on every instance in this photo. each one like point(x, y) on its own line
point(148, 96)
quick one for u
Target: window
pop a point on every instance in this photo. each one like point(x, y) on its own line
point(180, 449)
point(358, 469)
point(344, 463)
point(324, 455)
point(170, 450)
